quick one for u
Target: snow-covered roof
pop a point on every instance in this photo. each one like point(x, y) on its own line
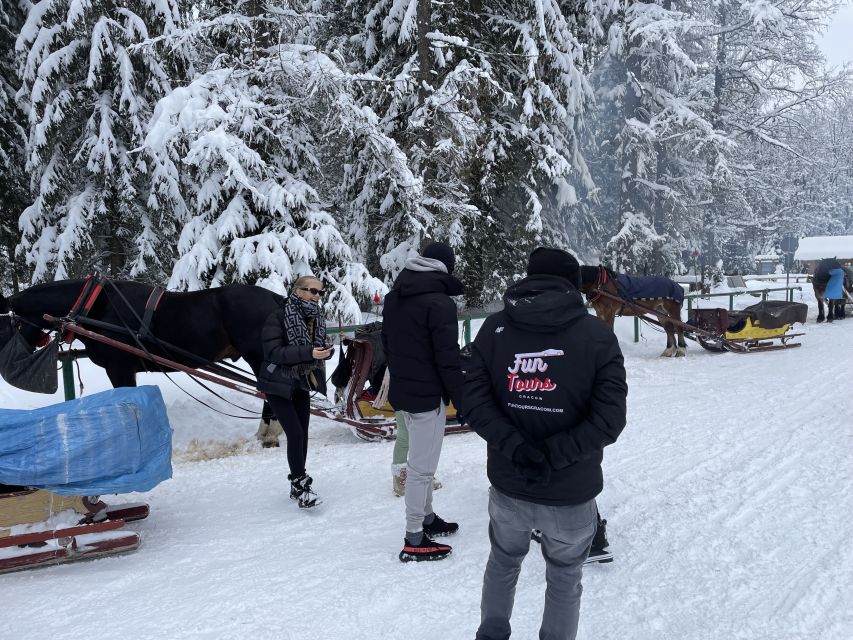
point(819, 247)
point(769, 256)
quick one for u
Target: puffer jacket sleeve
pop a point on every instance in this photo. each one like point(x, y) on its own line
point(444, 331)
point(274, 343)
point(481, 408)
point(607, 411)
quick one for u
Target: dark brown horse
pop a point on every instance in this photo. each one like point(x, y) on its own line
point(212, 324)
point(654, 293)
point(820, 280)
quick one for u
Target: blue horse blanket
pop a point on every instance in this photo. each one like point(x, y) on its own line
point(833, 286)
point(116, 441)
point(649, 288)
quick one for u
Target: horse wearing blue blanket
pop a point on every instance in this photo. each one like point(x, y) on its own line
point(654, 293)
point(830, 281)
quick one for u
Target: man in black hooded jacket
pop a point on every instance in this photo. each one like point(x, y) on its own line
point(546, 390)
point(420, 335)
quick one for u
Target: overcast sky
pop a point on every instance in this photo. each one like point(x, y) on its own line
point(837, 43)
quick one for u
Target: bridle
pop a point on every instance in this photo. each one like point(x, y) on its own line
point(599, 283)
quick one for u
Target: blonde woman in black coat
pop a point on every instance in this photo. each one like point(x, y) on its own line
point(295, 346)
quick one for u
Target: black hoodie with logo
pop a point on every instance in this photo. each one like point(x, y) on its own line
point(545, 372)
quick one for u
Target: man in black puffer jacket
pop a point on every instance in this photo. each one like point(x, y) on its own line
point(420, 335)
point(546, 390)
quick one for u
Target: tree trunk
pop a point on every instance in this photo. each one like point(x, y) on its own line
point(716, 209)
point(425, 81)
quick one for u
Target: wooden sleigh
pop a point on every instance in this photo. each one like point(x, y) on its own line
point(39, 528)
point(764, 326)
point(369, 415)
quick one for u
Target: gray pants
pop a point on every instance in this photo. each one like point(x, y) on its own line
point(426, 433)
point(566, 535)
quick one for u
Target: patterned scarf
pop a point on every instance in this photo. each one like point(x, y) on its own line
point(304, 324)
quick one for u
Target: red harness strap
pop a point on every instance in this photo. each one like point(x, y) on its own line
point(599, 285)
point(154, 299)
point(83, 305)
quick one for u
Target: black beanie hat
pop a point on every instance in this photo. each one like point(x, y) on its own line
point(554, 262)
point(442, 252)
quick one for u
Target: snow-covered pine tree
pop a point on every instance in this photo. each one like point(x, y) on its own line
point(763, 65)
point(649, 129)
point(490, 125)
point(13, 140)
point(235, 158)
point(89, 95)
point(808, 175)
point(411, 145)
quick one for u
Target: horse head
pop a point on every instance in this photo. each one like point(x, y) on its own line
point(27, 318)
point(598, 277)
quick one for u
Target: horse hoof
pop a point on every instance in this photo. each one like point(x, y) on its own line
point(821, 319)
point(667, 353)
point(680, 353)
point(270, 445)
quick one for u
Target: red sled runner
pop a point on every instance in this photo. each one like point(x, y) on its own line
point(40, 528)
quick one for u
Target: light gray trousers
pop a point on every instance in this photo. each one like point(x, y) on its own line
point(566, 535)
point(426, 433)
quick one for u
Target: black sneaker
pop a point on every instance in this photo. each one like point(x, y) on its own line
point(599, 551)
point(428, 549)
point(599, 540)
point(599, 555)
point(439, 527)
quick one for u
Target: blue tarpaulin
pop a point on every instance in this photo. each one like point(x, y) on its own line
point(649, 288)
point(116, 441)
point(833, 286)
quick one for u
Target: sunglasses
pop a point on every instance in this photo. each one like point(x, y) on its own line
point(313, 291)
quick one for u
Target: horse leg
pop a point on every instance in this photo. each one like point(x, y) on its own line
point(830, 310)
point(269, 429)
point(670, 341)
point(820, 316)
point(121, 376)
point(681, 351)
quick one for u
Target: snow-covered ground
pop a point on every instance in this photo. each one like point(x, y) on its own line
point(729, 500)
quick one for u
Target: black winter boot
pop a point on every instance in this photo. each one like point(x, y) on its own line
point(301, 491)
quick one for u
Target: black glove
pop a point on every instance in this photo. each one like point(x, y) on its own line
point(531, 464)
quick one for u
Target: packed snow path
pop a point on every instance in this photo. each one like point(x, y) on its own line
point(728, 499)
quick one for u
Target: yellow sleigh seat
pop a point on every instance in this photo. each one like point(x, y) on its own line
point(753, 330)
point(367, 410)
